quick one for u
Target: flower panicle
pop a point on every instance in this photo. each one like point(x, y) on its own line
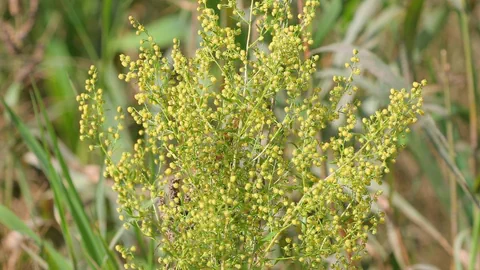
point(224, 170)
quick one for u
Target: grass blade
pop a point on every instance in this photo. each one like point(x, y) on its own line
point(24, 188)
point(475, 242)
point(106, 20)
point(11, 221)
point(160, 29)
point(80, 29)
point(383, 20)
point(457, 248)
point(100, 206)
point(408, 210)
point(411, 213)
point(414, 10)
point(362, 15)
point(93, 244)
point(434, 24)
point(370, 62)
point(62, 193)
point(438, 141)
point(429, 164)
point(330, 13)
point(48, 169)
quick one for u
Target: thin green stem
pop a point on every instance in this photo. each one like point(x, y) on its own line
point(463, 16)
point(451, 151)
point(475, 242)
point(247, 45)
point(470, 85)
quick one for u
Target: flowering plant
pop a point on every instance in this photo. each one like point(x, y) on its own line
point(224, 173)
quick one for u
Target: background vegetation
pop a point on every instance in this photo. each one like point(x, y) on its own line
point(57, 211)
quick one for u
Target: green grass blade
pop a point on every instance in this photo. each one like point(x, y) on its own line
point(151, 253)
point(160, 30)
point(12, 94)
point(408, 210)
point(370, 62)
point(80, 29)
point(362, 15)
point(93, 244)
point(37, 258)
point(48, 169)
point(429, 165)
point(472, 87)
point(414, 10)
point(100, 206)
point(475, 242)
point(434, 24)
point(439, 142)
point(24, 188)
point(106, 20)
point(116, 237)
point(11, 221)
point(326, 22)
point(416, 217)
point(396, 243)
point(457, 249)
point(111, 260)
point(381, 22)
point(57, 87)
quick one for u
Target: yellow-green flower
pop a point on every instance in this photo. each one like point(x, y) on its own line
point(219, 178)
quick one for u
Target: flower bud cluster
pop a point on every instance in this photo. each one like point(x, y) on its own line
point(213, 178)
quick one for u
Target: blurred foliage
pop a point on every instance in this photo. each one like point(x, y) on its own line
point(51, 44)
